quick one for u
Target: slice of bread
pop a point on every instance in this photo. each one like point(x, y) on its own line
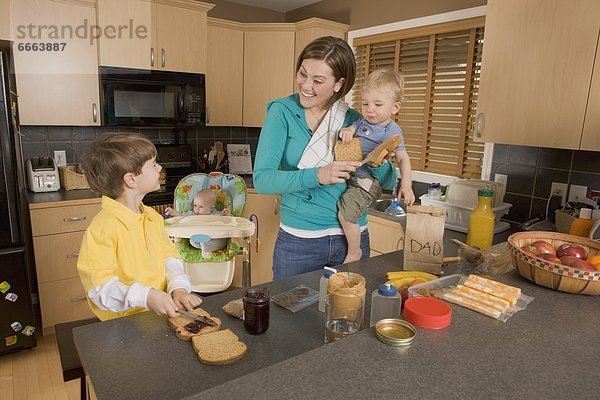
point(219, 348)
point(378, 154)
point(348, 152)
point(178, 325)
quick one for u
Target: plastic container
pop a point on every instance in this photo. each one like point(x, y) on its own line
point(481, 221)
point(435, 191)
point(595, 231)
point(385, 303)
point(323, 286)
point(394, 209)
point(257, 303)
point(582, 225)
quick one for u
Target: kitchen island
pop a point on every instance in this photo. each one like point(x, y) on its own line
point(547, 351)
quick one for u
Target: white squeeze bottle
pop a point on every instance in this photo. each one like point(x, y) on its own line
point(385, 303)
point(323, 286)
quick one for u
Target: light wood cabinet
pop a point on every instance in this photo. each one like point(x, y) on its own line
point(161, 34)
point(310, 29)
point(538, 59)
point(385, 236)
point(224, 73)
point(5, 23)
point(268, 68)
point(590, 139)
point(266, 208)
point(57, 79)
point(57, 230)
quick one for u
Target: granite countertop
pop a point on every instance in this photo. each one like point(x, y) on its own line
point(545, 351)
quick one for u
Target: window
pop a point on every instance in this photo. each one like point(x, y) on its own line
point(440, 64)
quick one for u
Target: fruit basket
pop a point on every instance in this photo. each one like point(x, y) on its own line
point(551, 274)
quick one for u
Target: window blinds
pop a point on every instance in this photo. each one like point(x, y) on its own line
point(440, 64)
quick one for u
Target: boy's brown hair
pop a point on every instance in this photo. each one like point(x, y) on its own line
point(112, 155)
point(387, 81)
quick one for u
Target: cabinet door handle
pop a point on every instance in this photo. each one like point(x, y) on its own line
point(94, 112)
point(73, 255)
point(74, 219)
point(76, 299)
point(276, 206)
point(479, 125)
point(207, 114)
point(152, 56)
point(164, 56)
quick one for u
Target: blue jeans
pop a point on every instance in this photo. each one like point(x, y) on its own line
point(294, 255)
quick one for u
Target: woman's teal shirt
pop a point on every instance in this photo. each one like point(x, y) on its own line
point(305, 204)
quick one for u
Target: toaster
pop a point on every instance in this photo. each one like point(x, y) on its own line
point(42, 174)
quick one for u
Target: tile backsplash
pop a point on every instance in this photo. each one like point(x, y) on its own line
point(531, 171)
point(44, 140)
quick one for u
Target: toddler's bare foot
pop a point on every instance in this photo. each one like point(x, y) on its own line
point(353, 256)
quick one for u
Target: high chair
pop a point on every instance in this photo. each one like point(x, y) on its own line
point(208, 244)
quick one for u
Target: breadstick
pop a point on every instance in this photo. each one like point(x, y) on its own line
point(485, 298)
point(470, 304)
point(498, 285)
point(495, 292)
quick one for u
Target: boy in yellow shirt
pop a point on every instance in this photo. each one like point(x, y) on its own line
point(127, 261)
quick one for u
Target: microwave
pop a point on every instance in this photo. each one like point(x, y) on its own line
point(137, 97)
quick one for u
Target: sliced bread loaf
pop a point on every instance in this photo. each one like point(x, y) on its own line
point(348, 152)
point(219, 348)
point(379, 153)
point(184, 331)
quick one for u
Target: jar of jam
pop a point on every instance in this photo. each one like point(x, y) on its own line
point(257, 303)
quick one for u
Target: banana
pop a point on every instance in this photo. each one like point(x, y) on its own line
point(402, 282)
point(412, 274)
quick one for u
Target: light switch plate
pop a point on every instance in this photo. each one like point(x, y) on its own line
point(60, 158)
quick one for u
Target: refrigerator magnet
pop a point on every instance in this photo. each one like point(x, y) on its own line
point(10, 340)
point(28, 330)
point(16, 326)
point(4, 287)
point(11, 297)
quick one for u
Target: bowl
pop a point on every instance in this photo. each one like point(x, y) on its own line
point(552, 275)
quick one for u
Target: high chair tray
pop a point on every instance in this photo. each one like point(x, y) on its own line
point(215, 226)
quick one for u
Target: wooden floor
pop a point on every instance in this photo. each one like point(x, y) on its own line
point(36, 374)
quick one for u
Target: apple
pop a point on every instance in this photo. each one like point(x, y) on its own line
point(549, 257)
point(544, 247)
point(571, 250)
point(530, 249)
point(582, 264)
point(568, 260)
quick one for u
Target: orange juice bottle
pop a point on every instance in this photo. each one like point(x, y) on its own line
point(481, 221)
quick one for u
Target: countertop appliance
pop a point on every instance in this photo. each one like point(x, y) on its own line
point(136, 97)
point(42, 174)
point(17, 321)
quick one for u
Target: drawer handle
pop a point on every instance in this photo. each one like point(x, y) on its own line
point(73, 255)
point(276, 206)
point(77, 299)
point(74, 219)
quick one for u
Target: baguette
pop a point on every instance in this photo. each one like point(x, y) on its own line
point(348, 152)
point(178, 324)
point(219, 348)
point(379, 153)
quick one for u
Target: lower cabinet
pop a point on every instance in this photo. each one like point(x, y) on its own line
point(385, 236)
point(57, 231)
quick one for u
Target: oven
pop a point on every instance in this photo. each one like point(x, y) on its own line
point(177, 163)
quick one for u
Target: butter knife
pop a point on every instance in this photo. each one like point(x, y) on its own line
point(200, 318)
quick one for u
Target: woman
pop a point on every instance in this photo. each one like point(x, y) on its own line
point(295, 158)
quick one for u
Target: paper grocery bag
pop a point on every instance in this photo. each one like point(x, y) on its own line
point(424, 238)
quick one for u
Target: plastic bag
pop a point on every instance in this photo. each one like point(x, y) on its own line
point(495, 260)
point(296, 298)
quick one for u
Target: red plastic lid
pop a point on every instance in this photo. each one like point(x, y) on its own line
point(427, 312)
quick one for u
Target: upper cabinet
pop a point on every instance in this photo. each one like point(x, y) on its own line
point(5, 26)
point(268, 68)
point(310, 29)
point(224, 73)
point(537, 67)
point(56, 72)
point(159, 34)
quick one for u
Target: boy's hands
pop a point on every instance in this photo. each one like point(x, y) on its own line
point(407, 195)
point(185, 300)
point(172, 212)
point(161, 303)
point(346, 134)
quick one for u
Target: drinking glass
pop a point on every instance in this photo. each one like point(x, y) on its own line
point(343, 315)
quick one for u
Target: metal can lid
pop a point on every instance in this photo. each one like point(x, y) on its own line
point(395, 332)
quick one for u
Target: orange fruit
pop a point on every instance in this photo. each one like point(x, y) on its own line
point(416, 281)
point(595, 260)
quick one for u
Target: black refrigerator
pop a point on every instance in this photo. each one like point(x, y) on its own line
point(17, 320)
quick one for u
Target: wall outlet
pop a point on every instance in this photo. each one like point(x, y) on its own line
point(577, 193)
point(559, 189)
point(60, 158)
point(501, 178)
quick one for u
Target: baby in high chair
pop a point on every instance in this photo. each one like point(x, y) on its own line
point(204, 204)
